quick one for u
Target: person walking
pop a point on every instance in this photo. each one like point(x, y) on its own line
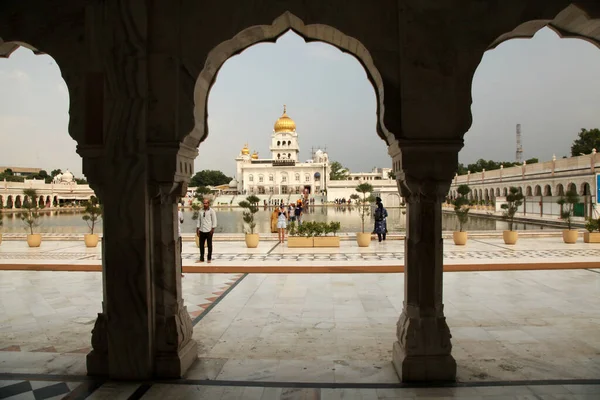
point(380, 219)
point(298, 213)
point(282, 223)
point(180, 220)
point(205, 228)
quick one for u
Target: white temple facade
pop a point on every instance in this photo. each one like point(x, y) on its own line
point(283, 172)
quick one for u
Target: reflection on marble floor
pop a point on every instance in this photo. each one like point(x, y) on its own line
point(519, 325)
point(340, 328)
point(54, 312)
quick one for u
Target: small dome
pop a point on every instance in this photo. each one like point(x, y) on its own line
point(245, 150)
point(67, 177)
point(255, 156)
point(233, 183)
point(284, 123)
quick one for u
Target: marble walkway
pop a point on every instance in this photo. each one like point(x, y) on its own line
point(516, 335)
point(480, 253)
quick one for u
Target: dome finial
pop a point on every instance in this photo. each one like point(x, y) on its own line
point(284, 123)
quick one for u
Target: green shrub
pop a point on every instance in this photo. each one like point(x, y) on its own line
point(513, 201)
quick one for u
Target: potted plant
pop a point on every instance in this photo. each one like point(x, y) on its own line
point(567, 205)
point(301, 235)
point(461, 209)
point(364, 208)
point(514, 200)
point(590, 236)
point(325, 229)
point(250, 206)
point(31, 216)
point(92, 213)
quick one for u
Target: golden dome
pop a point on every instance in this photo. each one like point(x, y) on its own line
point(284, 123)
point(255, 156)
point(246, 150)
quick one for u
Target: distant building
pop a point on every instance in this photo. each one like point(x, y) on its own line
point(20, 171)
point(283, 173)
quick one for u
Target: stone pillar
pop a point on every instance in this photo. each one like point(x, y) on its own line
point(423, 349)
point(175, 349)
point(123, 335)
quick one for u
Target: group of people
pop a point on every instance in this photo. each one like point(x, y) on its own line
point(282, 215)
point(207, 222)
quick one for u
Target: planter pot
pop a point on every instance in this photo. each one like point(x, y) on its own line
point(460, 238)
point(34, 240)
point(363, 239)
point(591, 237)
point(326, 241)
point(570, 236)
point(251, 240)
point(510, 237)
point(300, 241)
point(91, 240)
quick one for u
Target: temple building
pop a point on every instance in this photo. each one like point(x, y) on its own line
point(283, 172)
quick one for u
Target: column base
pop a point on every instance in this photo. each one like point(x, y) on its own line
point(176, 365)
point(432, 368)
point(96, 364)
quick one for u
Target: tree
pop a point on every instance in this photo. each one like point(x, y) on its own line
point(364, 205)
point(8, 172)
point(588, 140)
point(532, 161)
point(337, 171)
point(514, 200)
point(567, 204)
point(391, 175)
point(92, 213)
point(55, 172)
point(31, 214)
point(209, 177)
point(250, 206)
point(461, 204)
point(202, 190)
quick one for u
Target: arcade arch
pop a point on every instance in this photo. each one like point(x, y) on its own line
point(424, 329)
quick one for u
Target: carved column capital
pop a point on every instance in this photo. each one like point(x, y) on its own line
point(166, 192)
point(426, 190)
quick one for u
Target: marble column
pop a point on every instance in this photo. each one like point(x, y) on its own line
point(123, 337)
point(175, 348)
point(423, 349)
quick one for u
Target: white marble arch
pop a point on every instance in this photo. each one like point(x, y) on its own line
point(262, 33)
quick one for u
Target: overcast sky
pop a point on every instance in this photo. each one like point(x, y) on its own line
point(547, 84)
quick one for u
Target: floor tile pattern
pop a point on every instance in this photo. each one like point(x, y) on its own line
point(448, 255)
point(38, 390)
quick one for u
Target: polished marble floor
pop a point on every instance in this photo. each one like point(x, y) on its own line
point(326, 328)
